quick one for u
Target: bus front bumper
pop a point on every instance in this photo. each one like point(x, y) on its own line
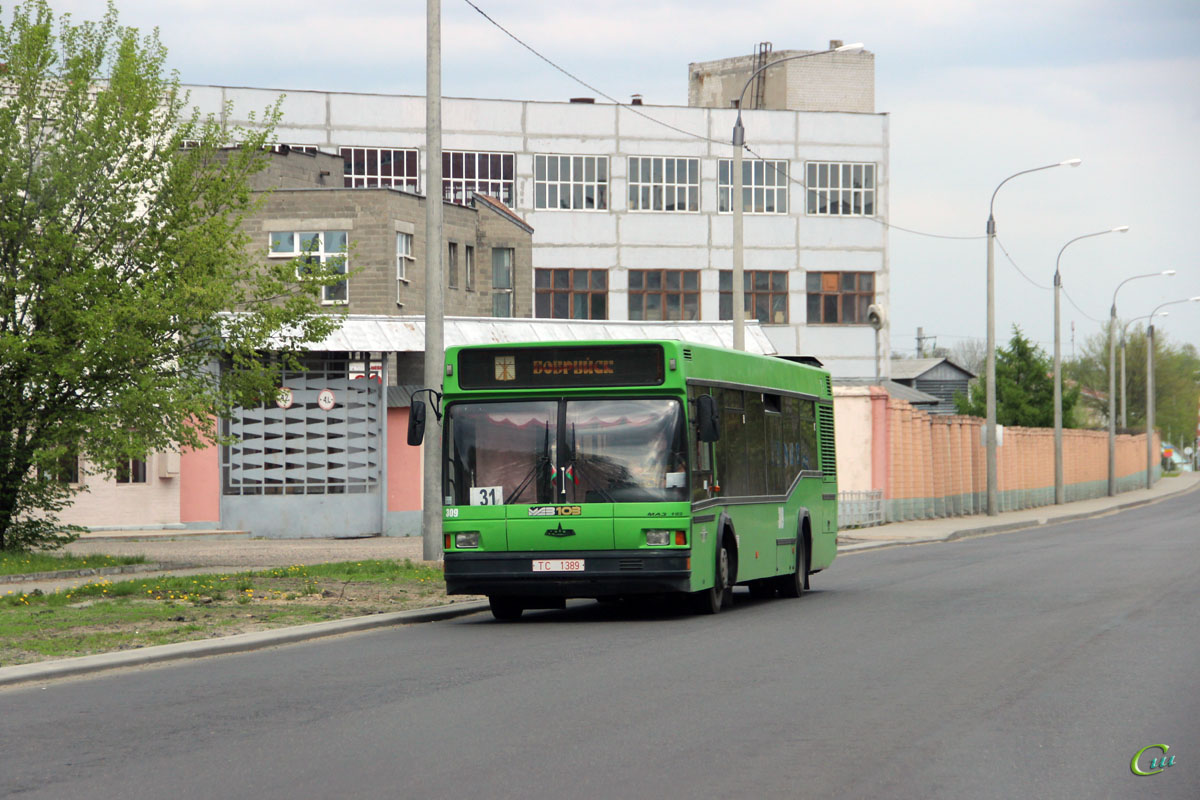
point(606, 572)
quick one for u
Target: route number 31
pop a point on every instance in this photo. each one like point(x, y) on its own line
point(487, 495)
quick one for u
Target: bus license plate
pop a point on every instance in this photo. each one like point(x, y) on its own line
point(558, 565)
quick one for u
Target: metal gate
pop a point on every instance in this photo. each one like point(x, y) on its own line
point(309, 464)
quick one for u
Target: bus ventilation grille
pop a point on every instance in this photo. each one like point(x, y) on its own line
point(828, 451)
point(687, 354)
point(628, 564)
point(829, 385)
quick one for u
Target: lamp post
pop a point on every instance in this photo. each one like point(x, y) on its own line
point(739, 140)
point(1124, 388)
point(990, 375)
point(1150, 385)
point(1112, 378)
point(1059, 491)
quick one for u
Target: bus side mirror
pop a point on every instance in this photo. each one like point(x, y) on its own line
point(708, 427)
point(416, 423)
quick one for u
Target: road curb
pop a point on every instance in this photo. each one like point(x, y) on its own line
point(238, 643)
point(967, 533)
point(88, 572)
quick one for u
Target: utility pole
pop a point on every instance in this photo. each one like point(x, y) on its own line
point(435, 351)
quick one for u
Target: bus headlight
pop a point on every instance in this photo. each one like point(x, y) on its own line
point(658, 538)
point(466, 540)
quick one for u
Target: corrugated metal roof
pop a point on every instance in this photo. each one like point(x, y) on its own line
point(907, 369)
point(384, 334)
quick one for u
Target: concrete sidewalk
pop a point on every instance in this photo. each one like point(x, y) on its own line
point(190, 552)
point(951, 528)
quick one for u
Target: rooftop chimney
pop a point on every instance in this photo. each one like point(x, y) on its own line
point(834, 44)
point(637, 100)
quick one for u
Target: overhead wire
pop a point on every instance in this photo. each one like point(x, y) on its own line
point(581, 82)
point(676, 128)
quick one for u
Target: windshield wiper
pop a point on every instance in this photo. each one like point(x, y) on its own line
point(542, 460)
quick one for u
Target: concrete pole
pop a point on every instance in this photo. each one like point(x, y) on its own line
point(739, 254)
point(1112, 401)
point(992, 494)
point(1059, 490)
point(435, 352)
point(1124, 416)
point(1150, 404)
point(1058, 453)
point(990, 393)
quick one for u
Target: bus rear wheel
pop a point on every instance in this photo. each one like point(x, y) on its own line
point(505, 608)
point(793, 585)
point(712, 600)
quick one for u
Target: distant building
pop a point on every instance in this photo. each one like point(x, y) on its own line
point(630, 206)
point(939, 377)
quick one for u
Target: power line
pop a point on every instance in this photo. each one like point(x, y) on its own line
point(587, 85)
point(804, 186)
point(668, 125)
point(1077, 308)
point(1018, 269)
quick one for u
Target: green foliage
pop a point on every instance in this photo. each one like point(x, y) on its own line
point(25, 563)
point(1024, 388)
point(121, 252)
point(1176, 380)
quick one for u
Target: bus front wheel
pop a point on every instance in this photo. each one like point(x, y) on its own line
point(505, 608)
point(712, 600)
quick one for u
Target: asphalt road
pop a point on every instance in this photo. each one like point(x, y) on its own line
point(1030, 664)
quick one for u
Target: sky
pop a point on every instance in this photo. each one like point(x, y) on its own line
point(976, 91)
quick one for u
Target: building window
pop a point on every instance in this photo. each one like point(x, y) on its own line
point(404, 255)
point(664, 184)
point(469, 267)
point(664, 294)
point(380, 166)
point(765, 295)
point(315, 247)
point(502, 281)
point(764, 187)
point(571, 293)
point(836, 189)
point(452, 265)
point(570, 182)
point(465, 174)
point(131, 470)
point(839, 297)
point(64, 469)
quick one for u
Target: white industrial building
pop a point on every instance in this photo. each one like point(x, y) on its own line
point(630, 204)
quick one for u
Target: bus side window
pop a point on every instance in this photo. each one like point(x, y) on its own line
point(731, 447)
point(702, 471)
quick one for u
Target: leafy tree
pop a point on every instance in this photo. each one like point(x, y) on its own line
point(1176, 380)
point(1024, 388)
point(120, 249)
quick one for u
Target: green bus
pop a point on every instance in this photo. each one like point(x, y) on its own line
point(613, 469)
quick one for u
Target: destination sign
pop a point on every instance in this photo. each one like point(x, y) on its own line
point(561, 367)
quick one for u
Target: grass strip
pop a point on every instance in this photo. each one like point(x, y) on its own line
point(104, 616)
point(12, 563)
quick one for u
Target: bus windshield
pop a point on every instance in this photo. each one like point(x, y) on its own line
point(566, 451)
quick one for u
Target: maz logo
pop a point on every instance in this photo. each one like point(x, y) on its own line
point(1157, 765)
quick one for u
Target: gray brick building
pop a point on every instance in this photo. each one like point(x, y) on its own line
point(380, 234)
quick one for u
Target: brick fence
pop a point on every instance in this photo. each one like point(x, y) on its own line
point(936, 465)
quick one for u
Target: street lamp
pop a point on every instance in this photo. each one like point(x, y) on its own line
point(990, 375)
point(739, 140)
point(1112, 379)
point(1058, 444)
point(1150, 384)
